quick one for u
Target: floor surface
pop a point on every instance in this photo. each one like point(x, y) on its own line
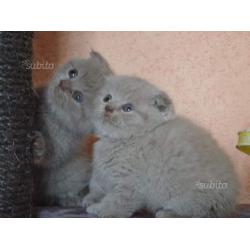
point(243, 211)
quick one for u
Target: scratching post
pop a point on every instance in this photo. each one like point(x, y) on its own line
point(16, 124)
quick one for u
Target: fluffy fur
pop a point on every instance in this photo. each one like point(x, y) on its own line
point(64, 123)
point(148, 157)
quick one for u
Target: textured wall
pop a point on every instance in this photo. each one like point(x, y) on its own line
point(206, 73)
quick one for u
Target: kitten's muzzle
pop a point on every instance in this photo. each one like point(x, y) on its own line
point(109, 109)
point(65, 85)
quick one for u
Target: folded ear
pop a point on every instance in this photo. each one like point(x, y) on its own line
point(101, 60)
point(164, 105)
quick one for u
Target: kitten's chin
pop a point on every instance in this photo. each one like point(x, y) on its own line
point(105, 128)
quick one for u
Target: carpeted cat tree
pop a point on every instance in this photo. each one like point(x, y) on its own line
point(16, 124)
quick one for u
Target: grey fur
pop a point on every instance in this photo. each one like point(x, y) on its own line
point(65, 123)
point(151, 158)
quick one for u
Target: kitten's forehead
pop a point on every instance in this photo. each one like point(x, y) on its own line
point(78, 64)
point(132, 88)
point(82, 65)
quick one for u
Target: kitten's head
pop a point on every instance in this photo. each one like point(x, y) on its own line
point(71, 91)
point(129, 106)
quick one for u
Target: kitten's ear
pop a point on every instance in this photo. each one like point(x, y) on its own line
point(101, 60)
point(164, 105)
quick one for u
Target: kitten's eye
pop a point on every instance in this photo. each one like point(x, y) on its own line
point(78, 96)
point(73, 73)
point(127, 107)
point(107, 98)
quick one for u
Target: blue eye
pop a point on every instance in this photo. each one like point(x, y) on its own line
point(127, 107)
point(77, 95)
point(73, 73)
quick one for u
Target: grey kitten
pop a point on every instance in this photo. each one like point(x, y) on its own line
point(64, 114)
point(148, 157)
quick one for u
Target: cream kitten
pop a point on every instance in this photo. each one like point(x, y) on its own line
point(149, 158)
point(64, 122)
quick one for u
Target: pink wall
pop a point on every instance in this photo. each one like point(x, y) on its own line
point(206, 73)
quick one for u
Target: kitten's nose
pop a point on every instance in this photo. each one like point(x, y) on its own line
point(65, 85)
point(109, 109)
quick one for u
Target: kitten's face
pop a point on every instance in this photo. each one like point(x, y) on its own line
point(129, 106)
point(71, 91)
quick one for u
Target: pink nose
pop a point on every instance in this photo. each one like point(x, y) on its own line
point(65, 85)
point(109, 109)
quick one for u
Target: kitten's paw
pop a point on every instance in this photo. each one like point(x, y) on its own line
point(95, 210)
point(91, 198)
point(87, 201)
point(166, 213)
point(39, 148)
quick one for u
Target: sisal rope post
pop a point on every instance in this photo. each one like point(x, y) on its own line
point(16, 124)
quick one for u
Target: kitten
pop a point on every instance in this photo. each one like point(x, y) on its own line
point(64, 124)
point(147, 157)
